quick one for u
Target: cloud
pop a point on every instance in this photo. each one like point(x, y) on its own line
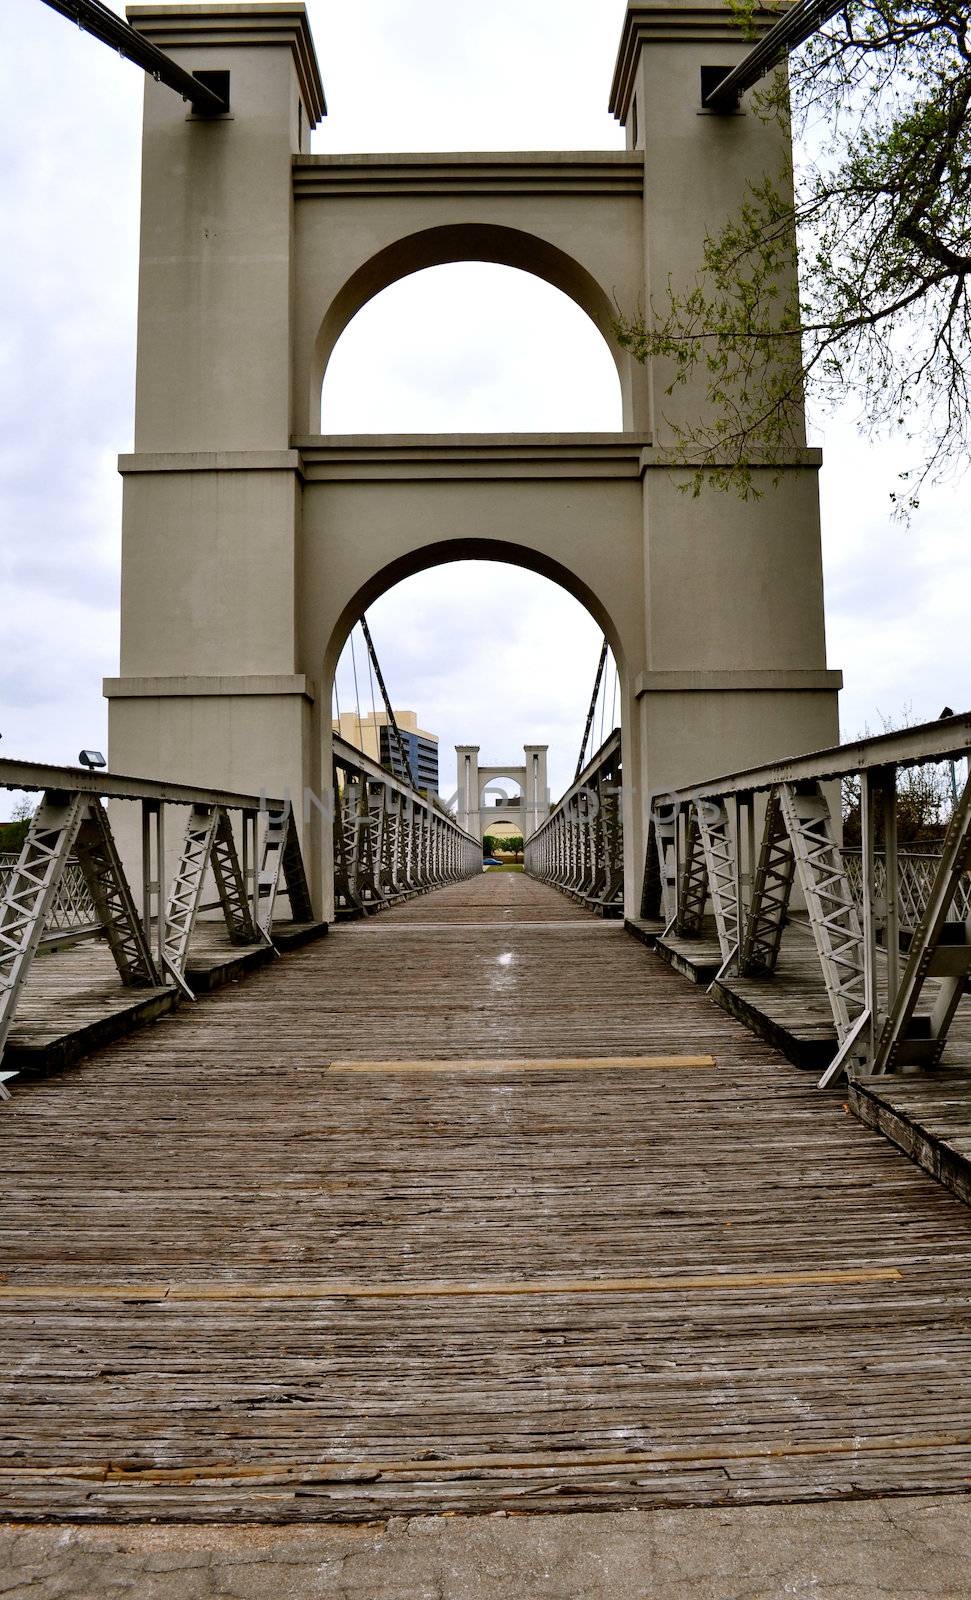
point(897, 593)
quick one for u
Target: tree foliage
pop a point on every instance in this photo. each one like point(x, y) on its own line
point(924, 800)
point(510, 843)
point(880, 205)
point(14, 832)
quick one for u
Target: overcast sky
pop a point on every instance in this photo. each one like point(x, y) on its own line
point(484, 654)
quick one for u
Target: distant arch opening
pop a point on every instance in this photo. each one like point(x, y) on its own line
point(477, 679)
point(519, 654)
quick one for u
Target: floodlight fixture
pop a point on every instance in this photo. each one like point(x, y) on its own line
point(91, 759)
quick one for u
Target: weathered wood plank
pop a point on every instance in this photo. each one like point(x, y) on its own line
point(927, 1115)
point(74, 1002)
point(556, 1064)
point(436, 1289)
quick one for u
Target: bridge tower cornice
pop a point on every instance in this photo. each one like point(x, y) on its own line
point(175, 27)
point(673, 24)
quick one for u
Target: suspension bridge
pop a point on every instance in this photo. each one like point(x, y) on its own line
point(639, 1179)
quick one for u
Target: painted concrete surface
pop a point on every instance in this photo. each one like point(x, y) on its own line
point(900, 1549)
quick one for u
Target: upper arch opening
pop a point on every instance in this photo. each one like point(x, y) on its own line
point(470, 348)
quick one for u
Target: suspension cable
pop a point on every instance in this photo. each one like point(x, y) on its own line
point(99, 20)
point(406, 771)
point(794, 27)
point(593, 709)
point(603, 709)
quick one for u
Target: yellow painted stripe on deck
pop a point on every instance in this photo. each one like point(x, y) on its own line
point(447, 1289)
point(516, 1064)
point(542, 1461)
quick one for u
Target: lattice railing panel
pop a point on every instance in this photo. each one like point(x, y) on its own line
point(891, 926)
point(916, 873)
point(390, 841)
point(72, 909)
point(579, 847)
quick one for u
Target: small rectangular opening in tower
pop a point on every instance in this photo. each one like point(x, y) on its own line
point(711, 77)
point(217, 82)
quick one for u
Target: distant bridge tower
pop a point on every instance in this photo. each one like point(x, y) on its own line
point(474, 812)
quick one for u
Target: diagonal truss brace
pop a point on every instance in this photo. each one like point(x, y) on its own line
point(382, 834)
point(829, 899)
point(346, 896)
point(186, 892)
point(709, 867)
point(282, 861)
point(771, 891)
point(97, 856)
point(230, 882)
point(30, 893)
point(612, 835)
point(908, 1039)
point(62, 826)
point(718, 848)
point(208, 842)
point(693, 887)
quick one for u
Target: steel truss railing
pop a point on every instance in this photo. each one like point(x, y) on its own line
point(579, 848)
point(71, 911)
point(743, 843)
point(69, 875)
point(390, 840)
point(916, 871)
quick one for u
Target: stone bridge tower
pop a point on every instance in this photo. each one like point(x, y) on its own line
point(252, 543)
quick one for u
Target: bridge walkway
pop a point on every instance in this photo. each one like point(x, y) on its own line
point(243, 1282)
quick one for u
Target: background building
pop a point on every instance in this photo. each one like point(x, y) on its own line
point(372, 734)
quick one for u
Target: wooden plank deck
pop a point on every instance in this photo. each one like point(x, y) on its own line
point(240, 1284)
point(74, 1001)
point(926, 1114)
point(790, 1009)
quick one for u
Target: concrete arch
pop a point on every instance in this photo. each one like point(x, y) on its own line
point(454, 242)
point(481, 812)
point(442, 553)
point(491, 776)
point(422, 559)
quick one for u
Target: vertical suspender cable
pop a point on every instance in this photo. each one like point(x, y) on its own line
point(357, 697)
point(374, 711)
point(603, 711)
